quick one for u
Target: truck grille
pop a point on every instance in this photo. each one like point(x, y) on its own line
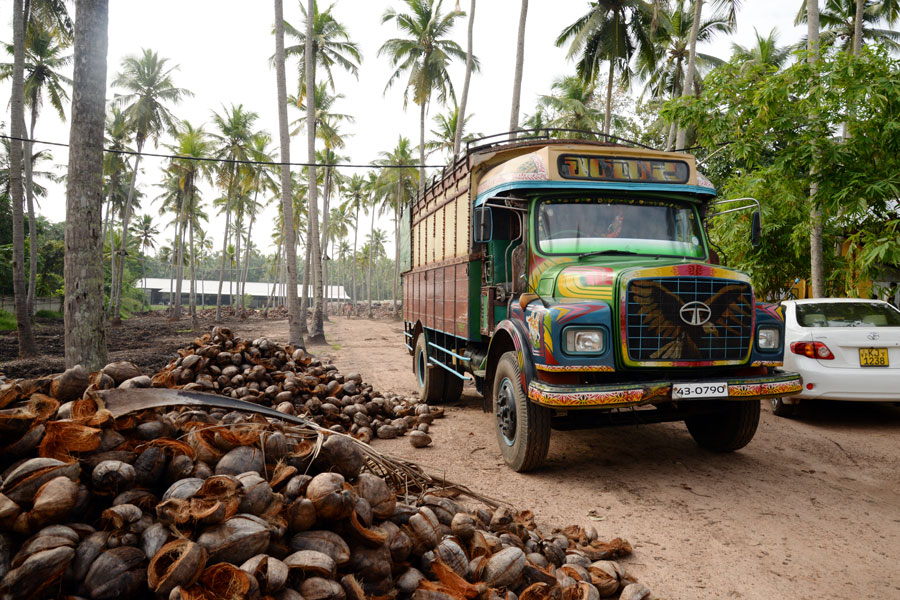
point(688, 319)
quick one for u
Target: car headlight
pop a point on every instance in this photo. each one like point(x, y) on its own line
point(768, 338)
point(584, 341)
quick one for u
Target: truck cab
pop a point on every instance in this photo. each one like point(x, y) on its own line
point(588, 297)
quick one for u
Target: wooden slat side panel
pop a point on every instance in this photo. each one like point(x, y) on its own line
point(462, 229)
point(461, 304)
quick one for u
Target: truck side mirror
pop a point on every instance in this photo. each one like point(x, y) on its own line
point(755, 229)
point(484, 225)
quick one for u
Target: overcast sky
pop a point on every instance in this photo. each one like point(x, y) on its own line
point(222, 48)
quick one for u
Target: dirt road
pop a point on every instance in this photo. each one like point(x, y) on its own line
point(809, 509)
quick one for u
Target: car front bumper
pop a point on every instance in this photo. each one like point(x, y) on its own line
point(779, 384)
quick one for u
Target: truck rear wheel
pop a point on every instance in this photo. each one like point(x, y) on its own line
point(453, 387)
point(523, 427)
point(728, 429)
point(429, 378)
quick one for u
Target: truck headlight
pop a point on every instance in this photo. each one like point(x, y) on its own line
point(768, 338)
point(584, 341)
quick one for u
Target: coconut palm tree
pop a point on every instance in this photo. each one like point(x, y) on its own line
point(765, 52)
point(425, 54)
point(85, 334)
point(354, 200)
point(573, 105)
point(144, 232)
point(190, 142)
point(375, 192)
point(398, 186)
point(289, 241)
point(470, 66)
point(447, 127)
point(613, 31)
point(44, 59)
point(730, 7)
point(840, 19)
point(331, 45)
point(147, 81)
point(27, 346)
point(326, 120)
point(517, 76)
point(232, 140)
point(114, 167)
point(258, 178)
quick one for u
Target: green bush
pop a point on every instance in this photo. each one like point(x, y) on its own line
point(48, 314)
point(7, 321)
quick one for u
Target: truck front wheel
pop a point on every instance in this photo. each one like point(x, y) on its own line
point(523, 427)
point(429, 378)
point(729, 428)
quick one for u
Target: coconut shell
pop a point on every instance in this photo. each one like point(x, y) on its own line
point(342, 454)
point(376, 491)
point(332, 501)
point(54, 501)
point(312, 563)
point(635, 591)
point(324, 541)
point(23, 482)
point(240, 460)
point(301, 514)
point(235, 540)
point(425, 531)
point(318, 588)
point(70, 385)
point(121, 371)
point(271, 574)
point(504, 568)
point(178, 563)
point(117, 573)
point(38, 572)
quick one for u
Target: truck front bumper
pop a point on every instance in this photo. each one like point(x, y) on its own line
point(781, 383)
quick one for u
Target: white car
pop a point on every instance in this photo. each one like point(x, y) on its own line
point(845, 349)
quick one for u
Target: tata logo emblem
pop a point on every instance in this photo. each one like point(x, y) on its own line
point(873, 336)
point(695, 313)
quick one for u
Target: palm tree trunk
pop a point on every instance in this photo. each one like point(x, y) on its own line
point(193, 308)
point(397, 210)
point(461, 113)
point(371, 253)
point(85, 331)
point(816, 251)
point(858, 27)
point(224, 244)
point(304, 300)
point(27, 345)
point(290, 237)
point(126, 217)
point(691, 68)
point(607, 117)
point(676, 92)
point(235, 284)
point(247, 255)
point(317, 330)
point(517, 77)
point(422, 147)
point(179, 259)
point(32, 227)
point(355, 232)
point(277, 266)
point(324, 245)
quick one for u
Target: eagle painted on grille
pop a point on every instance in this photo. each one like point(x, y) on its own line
point(660, 311)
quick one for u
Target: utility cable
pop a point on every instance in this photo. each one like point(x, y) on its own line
point(230, 160)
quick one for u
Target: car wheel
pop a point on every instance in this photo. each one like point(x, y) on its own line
point(523, 427)
point(729, 428)
point(780, 408)
point(429, 378)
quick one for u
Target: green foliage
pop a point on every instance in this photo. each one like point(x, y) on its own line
point(7, 321)
point(769, 134)
point(48, 314)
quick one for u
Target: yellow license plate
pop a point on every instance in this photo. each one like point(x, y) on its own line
point(873, 357)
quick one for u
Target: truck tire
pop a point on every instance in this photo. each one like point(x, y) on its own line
point(782, 409)
point(523, 427)
point(453, 387)
point(728, 429)
point(429, 378)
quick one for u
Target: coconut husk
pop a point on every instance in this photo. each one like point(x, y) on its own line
point(64, 438)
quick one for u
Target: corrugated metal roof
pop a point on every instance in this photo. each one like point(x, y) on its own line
point(209, 286)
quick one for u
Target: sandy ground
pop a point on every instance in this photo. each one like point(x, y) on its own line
point(809, 509)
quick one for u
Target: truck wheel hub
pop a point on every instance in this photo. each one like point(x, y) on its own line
point(506, 411)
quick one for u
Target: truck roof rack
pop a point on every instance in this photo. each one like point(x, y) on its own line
point(525, 137)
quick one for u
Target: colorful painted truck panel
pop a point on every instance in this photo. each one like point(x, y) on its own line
point(571, 282)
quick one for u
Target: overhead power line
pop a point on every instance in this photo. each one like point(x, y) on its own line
point(231, 160)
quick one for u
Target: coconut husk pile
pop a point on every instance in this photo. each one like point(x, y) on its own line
point(292, 382)
point(180, 494)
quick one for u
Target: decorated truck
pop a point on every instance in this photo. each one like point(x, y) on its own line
point(573, 283)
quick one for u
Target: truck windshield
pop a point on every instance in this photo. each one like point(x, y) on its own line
point(586, 225)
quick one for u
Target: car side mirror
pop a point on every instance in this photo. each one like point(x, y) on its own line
point(755, 229)
point(484, 225)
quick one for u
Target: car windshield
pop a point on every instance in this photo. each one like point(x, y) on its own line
point(587, 225)
point(847, 314)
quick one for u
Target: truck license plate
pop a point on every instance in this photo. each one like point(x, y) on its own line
point(699, 390)
point(873, 357)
